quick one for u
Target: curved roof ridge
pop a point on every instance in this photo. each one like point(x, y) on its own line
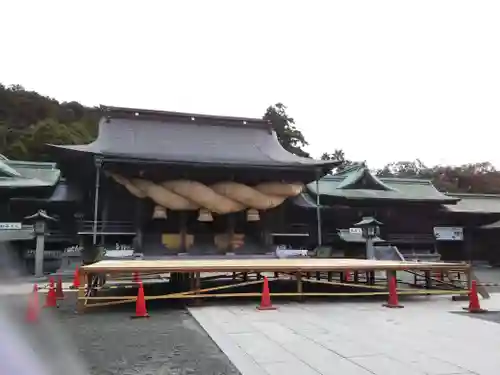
point(355, 175)
point(407, 179)
point(8, 170)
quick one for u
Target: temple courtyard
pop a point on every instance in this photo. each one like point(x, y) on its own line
point(430, 335)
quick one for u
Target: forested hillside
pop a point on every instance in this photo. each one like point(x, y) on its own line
point(29, 120)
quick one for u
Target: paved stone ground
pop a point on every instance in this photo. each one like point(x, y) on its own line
point(101, 342)
point(357, 338)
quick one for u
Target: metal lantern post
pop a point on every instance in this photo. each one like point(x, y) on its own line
point(40, 228)
point(370, 228)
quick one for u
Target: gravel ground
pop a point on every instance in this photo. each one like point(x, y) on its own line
point(109, 342)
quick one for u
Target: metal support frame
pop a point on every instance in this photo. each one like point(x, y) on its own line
point(98, 164)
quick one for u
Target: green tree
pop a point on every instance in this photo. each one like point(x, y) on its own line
point(405, 169)
point(338, 154)
point(479, 178)
point(29, 120)
point(289, 136)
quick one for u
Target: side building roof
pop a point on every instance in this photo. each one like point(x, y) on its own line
point(182, 138)
point(475, 203)
point(26, 177)
point(27, 174)
point(358, 183)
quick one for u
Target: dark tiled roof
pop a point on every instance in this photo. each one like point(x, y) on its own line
point(62, 193)
point(24, 174)
point(475, 203)
point(190, 138)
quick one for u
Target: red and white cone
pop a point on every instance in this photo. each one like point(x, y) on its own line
point(33, 310)
point(265, 302)
point(393, 301)
point(59, 289)
point(76, 279)
point(51, 299)
point(474, 305)
point(140, 305)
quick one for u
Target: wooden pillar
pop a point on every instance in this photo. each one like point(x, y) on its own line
point(298, 276)
point(105, 211)
point(469, 275)
point(231, 221)
point(428, 280)
point(183, 231)
point(197, 287)
point(80, 303)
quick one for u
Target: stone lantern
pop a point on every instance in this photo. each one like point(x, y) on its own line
point(370, 228)
point(39, 220)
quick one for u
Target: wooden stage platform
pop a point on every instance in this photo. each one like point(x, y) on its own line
point(268, 265)
point(213, 278)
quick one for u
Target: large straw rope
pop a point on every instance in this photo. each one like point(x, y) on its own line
point(221, 198)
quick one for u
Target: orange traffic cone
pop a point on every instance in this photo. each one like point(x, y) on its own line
point(76, 278)
point(265, 302)
point(474, 306)
point(347, 276)
point(51, 299)
point(440, 276)
point(136, 277)
point(33, 310)
point(59, 289)
point(140, 305)
point(393, 301)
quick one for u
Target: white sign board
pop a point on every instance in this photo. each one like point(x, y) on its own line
point(449, 233)
point(355, 231)
point(282, 251)
point(119, 253)
point(10, 226)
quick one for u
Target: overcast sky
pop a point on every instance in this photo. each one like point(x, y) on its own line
point(383, 80)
